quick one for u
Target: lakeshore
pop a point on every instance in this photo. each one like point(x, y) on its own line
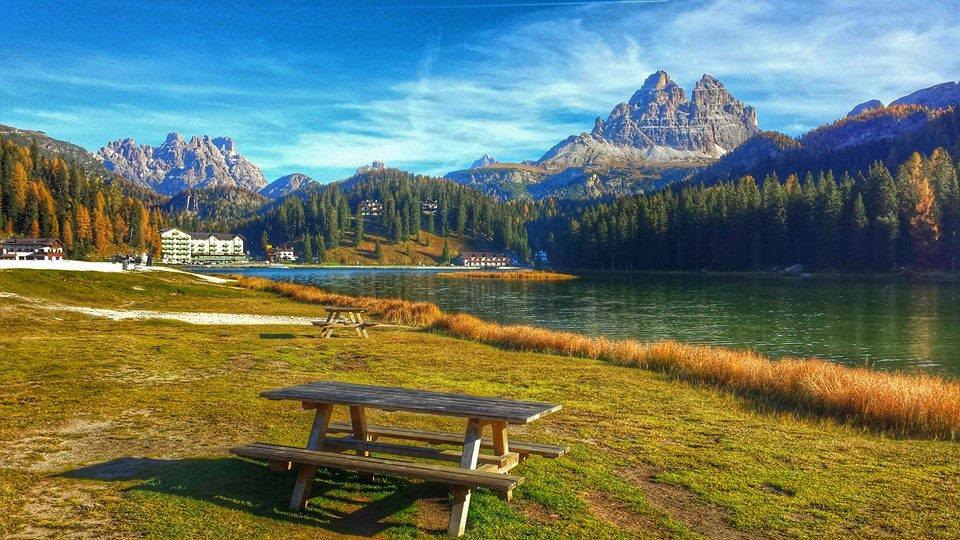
point(132, 421)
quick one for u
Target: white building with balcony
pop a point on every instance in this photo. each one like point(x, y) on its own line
point(181, 247)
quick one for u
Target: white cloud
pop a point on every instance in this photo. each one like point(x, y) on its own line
point(527, 86)
point(516, 90)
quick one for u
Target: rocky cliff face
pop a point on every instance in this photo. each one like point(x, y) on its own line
point(660, 124)
point(177, 165)
point(285, 185)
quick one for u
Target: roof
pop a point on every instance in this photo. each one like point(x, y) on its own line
point(484, 254)
point(201, 235)
point(218, 236)
point(30, 241)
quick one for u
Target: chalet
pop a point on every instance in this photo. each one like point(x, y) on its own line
point(485, 259)
point(370, 208)
point(429, 208)
point(31, 249)
point(283, 253)
point(181, 247)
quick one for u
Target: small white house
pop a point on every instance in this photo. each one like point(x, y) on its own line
point(31, 249)
point(283, 253)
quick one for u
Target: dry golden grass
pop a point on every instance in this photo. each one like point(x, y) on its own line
point(522, 275)
point(897, 403)
point(389, 310)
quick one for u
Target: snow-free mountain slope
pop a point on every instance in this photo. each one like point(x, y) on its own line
point(177, 165)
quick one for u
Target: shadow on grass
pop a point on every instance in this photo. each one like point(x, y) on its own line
point(277, 336)
point(340, 501)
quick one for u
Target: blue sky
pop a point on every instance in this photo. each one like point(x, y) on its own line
point(430, 85)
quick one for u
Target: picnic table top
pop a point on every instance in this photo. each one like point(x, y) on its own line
point(344, 308)
point(418, 401)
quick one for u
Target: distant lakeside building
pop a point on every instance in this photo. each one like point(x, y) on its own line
point(181, 247)
point(31, 249)
point(370, 208)
point(281, 253)
point(485, 259)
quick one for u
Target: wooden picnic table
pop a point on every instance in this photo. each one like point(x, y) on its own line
point(363, 439)
point(344, 317)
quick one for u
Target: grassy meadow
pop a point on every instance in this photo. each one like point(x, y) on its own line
point(121, 429)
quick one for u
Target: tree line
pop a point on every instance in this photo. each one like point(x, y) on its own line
point(324, 217)
point(92, 215)
point(868, 221)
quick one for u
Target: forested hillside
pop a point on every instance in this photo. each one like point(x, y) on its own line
point(327, 216)
point(889, 135)
point(213, 209)
point(869, 221)
point(94, 215)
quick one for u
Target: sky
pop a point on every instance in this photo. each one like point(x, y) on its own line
point(431, 85)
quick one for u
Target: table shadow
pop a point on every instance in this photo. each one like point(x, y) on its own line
point(250, 487)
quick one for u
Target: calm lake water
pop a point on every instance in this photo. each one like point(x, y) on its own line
point(886, 324)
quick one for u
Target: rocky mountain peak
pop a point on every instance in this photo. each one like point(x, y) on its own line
point(484, 160)
point(174, 139)
point(285, 185)
point(660, 124)
point(177, 165)
point(658, 92)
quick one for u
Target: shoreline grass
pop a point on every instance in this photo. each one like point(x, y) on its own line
point(522, 275)
point(897, 403)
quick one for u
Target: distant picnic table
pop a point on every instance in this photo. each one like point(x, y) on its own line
point(344, 317)
point(323, 450)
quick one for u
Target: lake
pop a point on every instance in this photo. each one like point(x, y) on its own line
point(882, 323)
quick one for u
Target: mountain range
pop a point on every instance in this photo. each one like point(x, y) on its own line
point(656, 137)
point(177, 165)
point(917, 122)
point(659, 137)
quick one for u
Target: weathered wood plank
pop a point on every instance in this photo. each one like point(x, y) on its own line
point(410, 400)
point(349, 443)
point(443, 437)
point(344, 309)
point(370, 465)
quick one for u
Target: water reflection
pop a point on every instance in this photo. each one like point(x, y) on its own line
point(884, 324)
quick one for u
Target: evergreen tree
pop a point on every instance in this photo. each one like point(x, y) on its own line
point(321, 250)
point(445, 254)
point(358, 229)
point(307, 249)
point(378, 251)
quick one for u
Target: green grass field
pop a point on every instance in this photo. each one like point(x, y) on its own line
point(122, 428)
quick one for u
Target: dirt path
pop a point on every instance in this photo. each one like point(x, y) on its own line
point(188, 317)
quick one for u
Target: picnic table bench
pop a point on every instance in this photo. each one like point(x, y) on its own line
point(476, 469)
point(344, 317)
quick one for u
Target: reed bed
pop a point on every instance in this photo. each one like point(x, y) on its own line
point(896, 403)
point(389, 310)
point(524, 275)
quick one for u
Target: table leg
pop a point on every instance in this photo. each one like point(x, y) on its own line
point(461, 496)
point(363, 329)
point(358, 417)
point(501, 447)
point(301, 490)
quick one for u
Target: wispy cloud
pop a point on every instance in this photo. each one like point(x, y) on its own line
point(513, 89)
point(532, 83)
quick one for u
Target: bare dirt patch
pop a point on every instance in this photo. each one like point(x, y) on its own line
point(57, 508)
point(683, 506)
point(613, 510)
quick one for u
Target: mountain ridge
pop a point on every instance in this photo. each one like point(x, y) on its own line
point(177, 165)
